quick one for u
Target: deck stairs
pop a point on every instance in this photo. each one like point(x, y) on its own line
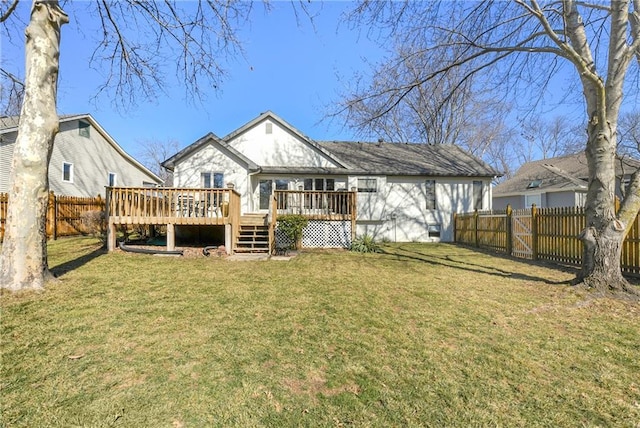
point(254, 234)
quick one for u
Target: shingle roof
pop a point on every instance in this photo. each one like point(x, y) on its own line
point(568, 172)
point(408, 159)
point(10, 122)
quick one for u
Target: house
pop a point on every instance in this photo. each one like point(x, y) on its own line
point(404, 192)
point(85, 159)
point(554, 182)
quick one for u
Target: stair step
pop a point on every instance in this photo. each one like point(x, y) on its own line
point(253, 236)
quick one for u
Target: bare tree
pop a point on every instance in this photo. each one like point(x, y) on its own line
point(138, 40)
point(153, 152)
point(11, 93)
point(544, 138)
point(439, 111)
point(629, 134)
point(517, 48)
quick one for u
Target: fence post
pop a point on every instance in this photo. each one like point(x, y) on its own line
point(534, 232)
point(455, 218)
point(509, 230)
point(475, 227)
point(51, 222)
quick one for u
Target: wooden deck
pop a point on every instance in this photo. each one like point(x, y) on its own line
point(172, 207)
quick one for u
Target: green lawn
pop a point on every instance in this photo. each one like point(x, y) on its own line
point(422, 335)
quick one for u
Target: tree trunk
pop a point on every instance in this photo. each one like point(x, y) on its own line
point(606, 230)
point(23, 264)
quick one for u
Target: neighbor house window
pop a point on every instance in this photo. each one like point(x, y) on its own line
point(83, 129)
point(268, 127)
point(67, 172)
point(533, 199)
point(430, 194)
point(112, 179)
point(367, 185)
point(477, 195)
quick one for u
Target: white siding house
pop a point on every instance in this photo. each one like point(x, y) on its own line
point(405, 192)
point(84, 160)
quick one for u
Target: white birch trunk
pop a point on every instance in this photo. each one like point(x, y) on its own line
point(23, 263)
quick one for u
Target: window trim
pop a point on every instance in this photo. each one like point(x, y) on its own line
point(212, 179)
point(433, 199)
point(70, 179)
point(478, 202)
point(367, 189)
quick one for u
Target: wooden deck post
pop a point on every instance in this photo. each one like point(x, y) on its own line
point(353, 204)
point(171, 237)
point(228, 238)
point(273, 221)
point(111, 236)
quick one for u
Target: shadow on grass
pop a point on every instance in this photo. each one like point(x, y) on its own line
point(463, 262)
point(66, 267)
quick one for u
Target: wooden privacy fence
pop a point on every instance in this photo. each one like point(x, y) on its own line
point(539, 234)
point(65, 214)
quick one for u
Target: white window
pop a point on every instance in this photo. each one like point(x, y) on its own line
point(433, 230)
point(268, 128)
point(218, 180)
point(212, 180)
point(319, 184)
point(67, 172)
point(112, 179)
point(430, 194)
point(533, 199)
point(367, 185)
point(477, 195)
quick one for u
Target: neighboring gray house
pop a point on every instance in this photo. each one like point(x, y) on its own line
point(555, 182)
point(405, 192)
point(85, 159)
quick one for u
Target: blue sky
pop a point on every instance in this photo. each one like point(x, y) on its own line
point(288, 68)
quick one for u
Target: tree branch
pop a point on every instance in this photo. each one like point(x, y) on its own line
point(9, 11)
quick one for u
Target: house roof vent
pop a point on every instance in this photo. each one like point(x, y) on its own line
point(534, 184)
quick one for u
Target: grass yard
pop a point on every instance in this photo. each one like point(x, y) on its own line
point(423, 335)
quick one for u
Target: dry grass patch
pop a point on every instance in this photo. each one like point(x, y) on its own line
point(421, 335)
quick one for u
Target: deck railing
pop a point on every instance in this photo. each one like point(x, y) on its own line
point(149, 205)
point(320, 205)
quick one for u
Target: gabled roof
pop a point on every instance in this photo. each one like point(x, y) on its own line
point(10, 124)
point(213, 139)
point(563, 173)
point(356, 158)
point(409, 159)
point(284, 124)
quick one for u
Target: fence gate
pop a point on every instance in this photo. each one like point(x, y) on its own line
point(521, 229)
